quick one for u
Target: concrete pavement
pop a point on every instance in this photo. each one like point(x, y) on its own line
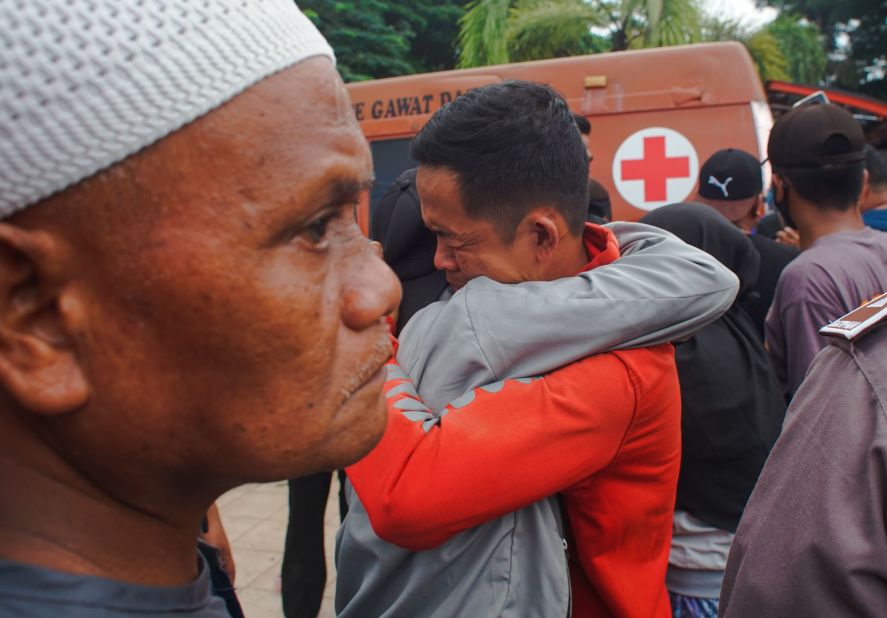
point(255, 518)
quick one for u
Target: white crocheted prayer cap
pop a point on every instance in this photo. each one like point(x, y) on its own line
point(86, 83)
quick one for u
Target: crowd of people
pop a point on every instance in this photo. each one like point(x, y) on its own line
point(539, 411)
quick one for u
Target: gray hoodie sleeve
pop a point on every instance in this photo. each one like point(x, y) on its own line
point(660, 290)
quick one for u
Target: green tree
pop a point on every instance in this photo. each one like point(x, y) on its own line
point(375, 39)
point(653, 23)
point(854, 33)
point(788, 49)
point(365, 46)
point(551, 30)
point(802, 46)
point(434, 28)
point(498, 31)
point(762, 46)
point(482, 33)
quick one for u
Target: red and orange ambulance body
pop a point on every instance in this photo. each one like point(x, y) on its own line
point(656, 115)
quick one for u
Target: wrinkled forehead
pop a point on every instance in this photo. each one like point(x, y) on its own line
point(255, 166)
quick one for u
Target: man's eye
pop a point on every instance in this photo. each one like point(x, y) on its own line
point(316, 231)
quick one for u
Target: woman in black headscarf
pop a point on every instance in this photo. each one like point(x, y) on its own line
point(732, 413)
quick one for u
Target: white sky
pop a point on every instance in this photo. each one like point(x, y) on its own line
point(743, 10)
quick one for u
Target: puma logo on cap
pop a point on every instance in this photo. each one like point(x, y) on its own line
point(720, 185)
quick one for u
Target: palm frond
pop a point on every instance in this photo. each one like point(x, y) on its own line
point(767, 56)
point(673, 22)
point(550, 28)
point(482, 33)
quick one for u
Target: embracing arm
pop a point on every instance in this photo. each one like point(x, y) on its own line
point(430, 476)
point(660, 290)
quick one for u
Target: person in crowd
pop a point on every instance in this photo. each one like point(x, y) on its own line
point(187, 301)
point(600, 210)
point(730, 181)
point(466, 474)
point(731, 414)
point(817, 153)
point(873, 202)
point(303, 567)
point(812, 540)
point(408, 248)
point(584, 126)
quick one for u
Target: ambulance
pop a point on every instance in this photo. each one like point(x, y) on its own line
point(656, 115)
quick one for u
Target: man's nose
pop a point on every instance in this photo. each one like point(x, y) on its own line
point(443, 257)
point(371, 290)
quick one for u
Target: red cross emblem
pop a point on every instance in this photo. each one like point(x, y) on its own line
point(655, 169)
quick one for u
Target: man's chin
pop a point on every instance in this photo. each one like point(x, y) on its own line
point(365, 417)
point(456, 283)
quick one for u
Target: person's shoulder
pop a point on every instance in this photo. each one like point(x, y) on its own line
point(829, 256)
point(772, 250)
point(860, 324)
point(808, 265)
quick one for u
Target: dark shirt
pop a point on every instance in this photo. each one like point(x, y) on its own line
point(774, 257)
point(768, 225)
point(28, 591)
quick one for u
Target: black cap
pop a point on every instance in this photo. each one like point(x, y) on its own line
point(816, 136)
point(730, 175)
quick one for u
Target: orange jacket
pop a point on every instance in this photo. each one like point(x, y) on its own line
point(604, 432)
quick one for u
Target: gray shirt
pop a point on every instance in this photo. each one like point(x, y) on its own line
point(28, 591)
point(835, 275)
point(813, 538)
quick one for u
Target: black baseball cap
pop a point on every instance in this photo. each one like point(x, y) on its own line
point(730, 175)
point(816, 136)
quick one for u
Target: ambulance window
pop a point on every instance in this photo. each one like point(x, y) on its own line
point(390, 158)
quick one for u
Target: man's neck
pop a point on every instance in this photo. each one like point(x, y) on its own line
point(877, 201)
point(747, 224)
point(814, 224)
point(54, 517)
point(571, 258)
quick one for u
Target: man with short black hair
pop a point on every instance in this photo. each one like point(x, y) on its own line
point(502, 397)
point(731, 182)
point(817, 153)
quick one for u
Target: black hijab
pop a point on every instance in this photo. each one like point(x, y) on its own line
point(732, 405)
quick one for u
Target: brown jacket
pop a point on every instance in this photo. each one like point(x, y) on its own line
point(813, 538)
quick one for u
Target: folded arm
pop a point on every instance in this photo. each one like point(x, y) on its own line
point(495, 450)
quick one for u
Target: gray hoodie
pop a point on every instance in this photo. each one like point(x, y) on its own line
point(660, 290)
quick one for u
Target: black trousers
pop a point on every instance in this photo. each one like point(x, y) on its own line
point(303, 576)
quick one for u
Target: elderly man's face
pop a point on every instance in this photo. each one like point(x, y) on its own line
point(232, 319)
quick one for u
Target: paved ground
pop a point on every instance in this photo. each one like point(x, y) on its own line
point(255, 520)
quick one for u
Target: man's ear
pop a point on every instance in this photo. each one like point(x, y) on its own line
point(779, 184)
point(757, 208)
point(39, 366)
point(545, 233)
point(866, 189)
